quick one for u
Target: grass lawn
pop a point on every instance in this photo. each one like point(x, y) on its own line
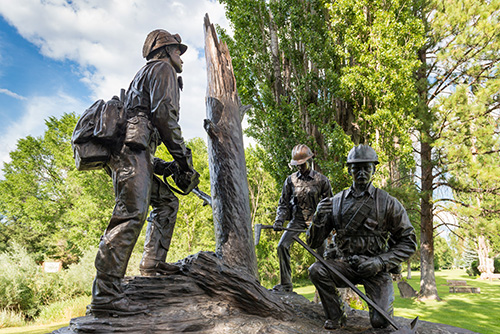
point(41, 329)
point(476, 312)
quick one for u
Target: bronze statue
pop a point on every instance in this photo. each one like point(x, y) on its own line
point(301, 193)
point(373, 235)
point(152, 115)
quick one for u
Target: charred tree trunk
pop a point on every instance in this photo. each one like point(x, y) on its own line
point(228, 178)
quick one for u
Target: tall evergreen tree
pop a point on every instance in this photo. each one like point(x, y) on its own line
point(457, 120)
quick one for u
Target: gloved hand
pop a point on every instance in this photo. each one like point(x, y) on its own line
point(370, 266)
point(324, 208)
point(187, 181)
point(162, 167)
point(278, 226)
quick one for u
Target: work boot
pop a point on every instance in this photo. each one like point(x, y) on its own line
point(335, 324)
point(118, 308)
point(148, 268)
point(283, 288)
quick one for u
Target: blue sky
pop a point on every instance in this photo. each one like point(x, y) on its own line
point(59, 56)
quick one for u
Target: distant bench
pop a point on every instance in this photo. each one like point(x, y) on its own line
point(461, 287)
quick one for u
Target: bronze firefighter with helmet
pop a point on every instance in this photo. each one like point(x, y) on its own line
point(373, 235)
point(302, 191)
point(152, 104)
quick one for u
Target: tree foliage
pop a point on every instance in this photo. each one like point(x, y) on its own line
point(327, 74)
point(457, 115)
point(333, 73)
point(47, 206)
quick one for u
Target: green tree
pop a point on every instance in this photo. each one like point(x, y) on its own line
point(281, 55)
point(330, 74)
point(458, 80)
point(47, 207)
point(443, 257)
point(327, 74)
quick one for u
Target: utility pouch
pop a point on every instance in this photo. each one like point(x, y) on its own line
point(90, 155)
point(109, 125)
point(359, 217)
point(138, 133)
point(370, 224)
point(96, 132)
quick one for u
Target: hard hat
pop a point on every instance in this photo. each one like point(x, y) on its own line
point(362, 153)
point(300, 154)
point(159, 38)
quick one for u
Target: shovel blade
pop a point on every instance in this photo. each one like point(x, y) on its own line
point(412, 329)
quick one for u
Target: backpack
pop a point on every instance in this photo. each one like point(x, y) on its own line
point(98, 130)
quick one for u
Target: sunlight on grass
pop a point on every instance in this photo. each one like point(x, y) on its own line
point(306, 291)
point(42, 329)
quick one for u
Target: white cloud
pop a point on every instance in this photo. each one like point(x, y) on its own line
point(11, 94)
point(32, 123)
point(105, 38)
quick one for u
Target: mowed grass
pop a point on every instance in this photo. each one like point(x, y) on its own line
point(476, 312)
point(41, 329)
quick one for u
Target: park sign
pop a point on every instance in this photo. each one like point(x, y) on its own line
point(52, 266)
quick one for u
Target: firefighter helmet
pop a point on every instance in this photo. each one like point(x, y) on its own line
point(362, 153)
point(300, 154)
point(159, 38)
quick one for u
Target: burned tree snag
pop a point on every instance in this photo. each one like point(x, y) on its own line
point(228, 179)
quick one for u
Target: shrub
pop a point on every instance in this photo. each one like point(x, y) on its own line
point(77, 279)
point(17, 276)
point(25, 289)
point(473, 270)
point(9, 318)
point(63, 310)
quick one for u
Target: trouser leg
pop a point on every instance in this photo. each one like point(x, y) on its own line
point(284, 257)
point(284, 252)
point(326, 283)
point(132, 175)
point(161, 223)
point(381, 291)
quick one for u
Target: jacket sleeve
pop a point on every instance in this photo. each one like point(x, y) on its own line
point(326, 189)
point(283, 211)
point(164, 95)
point(403, 241)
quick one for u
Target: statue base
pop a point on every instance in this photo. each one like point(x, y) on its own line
point(209, 297)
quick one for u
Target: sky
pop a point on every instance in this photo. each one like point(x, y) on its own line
point(59, 56)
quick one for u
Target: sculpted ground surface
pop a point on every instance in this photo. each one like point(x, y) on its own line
point(209, 297)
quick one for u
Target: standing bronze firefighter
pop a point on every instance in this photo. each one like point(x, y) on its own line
point(152, 115)
point(301, 193)
point(373, 236)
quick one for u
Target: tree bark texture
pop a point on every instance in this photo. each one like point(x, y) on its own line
point(228, 176)
point(486, 263)
point(428, 289)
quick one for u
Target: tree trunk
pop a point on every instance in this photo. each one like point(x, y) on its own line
point(428, 289)
point(228, 180)
point(486, 263)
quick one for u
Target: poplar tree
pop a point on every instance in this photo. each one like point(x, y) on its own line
point(329, 74)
